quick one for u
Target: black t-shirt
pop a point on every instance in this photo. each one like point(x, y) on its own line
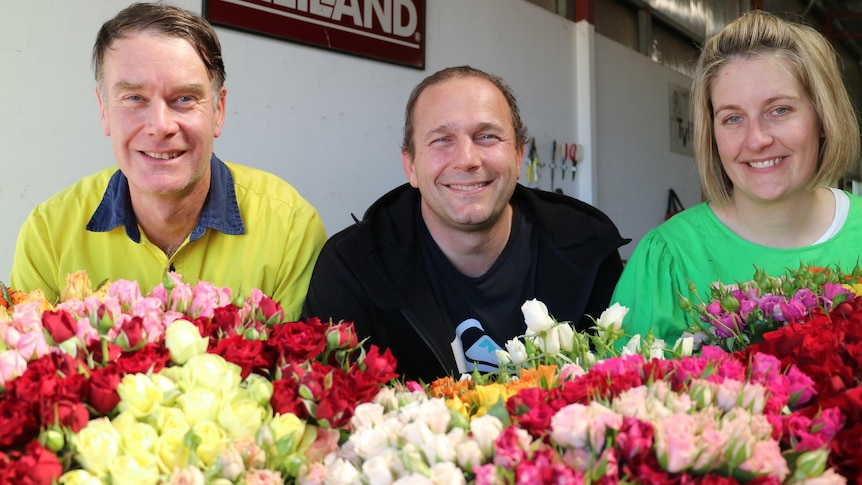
point(486, 311)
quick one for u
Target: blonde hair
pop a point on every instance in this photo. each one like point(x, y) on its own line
point(806, 54)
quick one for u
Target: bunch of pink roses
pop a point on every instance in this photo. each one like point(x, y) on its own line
point(101, 382)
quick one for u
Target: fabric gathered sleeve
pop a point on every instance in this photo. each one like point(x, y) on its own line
point(35, 264)
point(306, 238)
point(650, 288)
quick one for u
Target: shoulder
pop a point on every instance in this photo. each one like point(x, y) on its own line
point(566, 220)
point(256, 186)
point(388, 223)
point(88, 191)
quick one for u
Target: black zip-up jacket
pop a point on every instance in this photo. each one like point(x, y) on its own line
point(371, 274)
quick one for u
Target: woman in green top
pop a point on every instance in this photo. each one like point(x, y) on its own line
point(773, 129)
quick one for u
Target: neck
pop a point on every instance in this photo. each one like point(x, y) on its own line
point(791, 223)
point(166, 221)
point(473, 252)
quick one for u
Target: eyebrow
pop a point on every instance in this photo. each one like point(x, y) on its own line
point(773, 99)
point(448, 127)
point(194, 88)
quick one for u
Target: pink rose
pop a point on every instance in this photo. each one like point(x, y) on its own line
point(12, 365)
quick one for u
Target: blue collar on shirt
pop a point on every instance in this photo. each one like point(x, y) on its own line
point(220, 210)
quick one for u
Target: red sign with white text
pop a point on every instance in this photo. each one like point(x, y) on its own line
point(387, 30)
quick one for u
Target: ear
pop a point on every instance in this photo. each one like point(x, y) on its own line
point(409, 168)
point(220, 109)
point(106, 129)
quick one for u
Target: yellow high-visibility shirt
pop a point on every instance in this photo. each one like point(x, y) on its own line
point(255, 231)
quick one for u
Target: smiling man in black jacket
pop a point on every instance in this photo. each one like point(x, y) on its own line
point(438, 268)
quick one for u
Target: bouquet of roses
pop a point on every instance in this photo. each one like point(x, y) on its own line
point(183, 385)
point(562, 412)
point(828, 348)
point(738, 315)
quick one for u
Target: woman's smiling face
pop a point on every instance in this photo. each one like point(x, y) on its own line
point(766, 129)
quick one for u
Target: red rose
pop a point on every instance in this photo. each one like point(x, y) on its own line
point(60, 325)
point(248, 354)
point(537, 421)
point(846, 456)
point(35, 466)
point(18, 423)
point(342, 336)
point(635, 440)
point(151, 357)
point(102, 391)
point(296, 342)
point(95, 350)
point(361, 385)
point(380, 366)
point(525, 400)
point(225, 319)
point(132, 333)
point(269, 311)
point(284, 399)
point(71, 414)
point(335, 408)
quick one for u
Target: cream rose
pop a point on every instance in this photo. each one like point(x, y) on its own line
point(97, 445)
point(184, 341)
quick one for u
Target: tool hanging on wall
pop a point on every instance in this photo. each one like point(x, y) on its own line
point(553, 162)
point(533, 164)
point(563, 166)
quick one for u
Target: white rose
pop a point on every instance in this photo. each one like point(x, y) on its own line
point(378, 469)
point(469, 454)
point(517, 351)
point(567, 336)
point(684, 346)
point(536, 316)
point(612, 317)
point(633, 346)
point(447, 472)
point(551, 342)
point(485, 430)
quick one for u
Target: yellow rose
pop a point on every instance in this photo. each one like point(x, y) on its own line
point(168, 387)
point(79, 477)
point(171, 421)
point(213, 441)
point(287, 426)
point(241, 418)
point(138, 394)
point(126, 469)
point(184, 341)
point(199, 404)
point(137, 439)
point(97, 445)
point(258, 389)
point(211, 371)
point(171, 452)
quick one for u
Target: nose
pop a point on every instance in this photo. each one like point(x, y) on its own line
point(161, 119)
point(467, 155)
point(757, 134)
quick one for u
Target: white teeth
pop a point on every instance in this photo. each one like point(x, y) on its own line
point(163, 156)
point(466, 187)
point(764, 164)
